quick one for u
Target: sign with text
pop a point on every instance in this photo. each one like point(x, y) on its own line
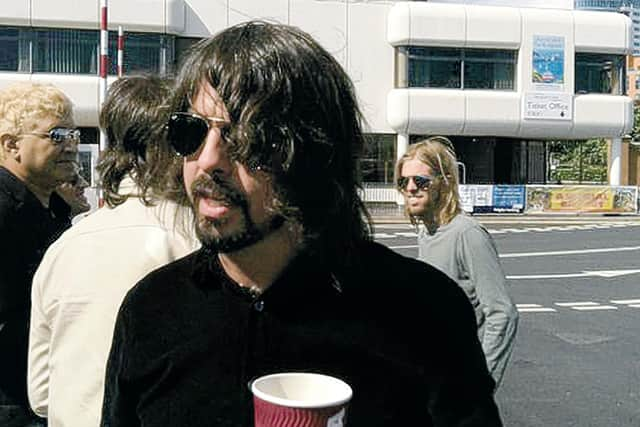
point(548, 106)
point(581, 198)
point(584, 199)
point(476, 198)
point(508, 198)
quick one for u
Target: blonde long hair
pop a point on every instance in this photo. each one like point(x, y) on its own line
point(436, 152)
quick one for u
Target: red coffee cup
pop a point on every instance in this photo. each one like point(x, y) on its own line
point(298, 399)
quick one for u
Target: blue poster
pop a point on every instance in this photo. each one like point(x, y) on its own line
point(508, 198)
point(548, 61)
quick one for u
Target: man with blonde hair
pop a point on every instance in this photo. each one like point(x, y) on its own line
point(38, 147)
point(427, 176)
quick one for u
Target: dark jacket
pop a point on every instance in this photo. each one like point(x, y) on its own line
point(188, 341)
point(26, 230)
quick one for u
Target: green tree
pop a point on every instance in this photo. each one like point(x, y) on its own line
point(635, 133)
point(579, 161)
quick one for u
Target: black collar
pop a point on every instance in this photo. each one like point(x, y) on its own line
point(306, 274)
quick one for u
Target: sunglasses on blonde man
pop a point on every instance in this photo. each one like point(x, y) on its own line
point(59, 135)
point(422, 182)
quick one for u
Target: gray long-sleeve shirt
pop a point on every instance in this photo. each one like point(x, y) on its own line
point(465, 251)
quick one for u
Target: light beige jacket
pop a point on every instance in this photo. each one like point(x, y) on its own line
point(76, 294)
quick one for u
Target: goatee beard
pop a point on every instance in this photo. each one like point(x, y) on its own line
point(213, 187)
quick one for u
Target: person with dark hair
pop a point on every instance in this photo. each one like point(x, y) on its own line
point(427, 177)
point(288, 278)
point(38, 151)
point(84, 276)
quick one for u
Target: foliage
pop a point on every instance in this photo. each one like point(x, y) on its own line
point(578, 161)
point(635, 133)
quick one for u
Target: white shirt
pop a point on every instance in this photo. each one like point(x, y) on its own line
point(77, 291)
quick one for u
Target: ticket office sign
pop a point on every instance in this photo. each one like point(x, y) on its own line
point(548, 106)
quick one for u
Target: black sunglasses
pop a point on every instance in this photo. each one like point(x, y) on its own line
point(421, 181)
point(59, 135)
point(187, 131)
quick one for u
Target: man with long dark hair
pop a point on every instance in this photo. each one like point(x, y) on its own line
point(288, 278)
point(84, 276)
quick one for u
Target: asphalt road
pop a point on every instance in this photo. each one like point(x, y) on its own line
point(577, 287)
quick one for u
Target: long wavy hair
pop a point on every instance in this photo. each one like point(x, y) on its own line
point(294, 114)
point(134, 117)
point(436, 152)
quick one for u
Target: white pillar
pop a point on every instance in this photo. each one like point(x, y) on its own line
point(615, 171)
point(402, 143)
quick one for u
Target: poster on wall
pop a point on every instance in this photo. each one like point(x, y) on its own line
point(508, 198)
point(476, 198)
point(581, 198)
point(547, 71)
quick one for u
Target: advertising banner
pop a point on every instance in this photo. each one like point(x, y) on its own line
point(548, 63)
point(508, 198)
point(584, 198)
point(476, 198)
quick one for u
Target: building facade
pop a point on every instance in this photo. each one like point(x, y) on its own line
point(498, 80)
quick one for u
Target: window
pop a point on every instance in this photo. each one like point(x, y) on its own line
point(14, 49)
point(65, 51)
point(461, 68)
point(378, 158)
point(434, 67)
point(489, 69)
point(73, 51)
point(142, 53)
point(600, 73)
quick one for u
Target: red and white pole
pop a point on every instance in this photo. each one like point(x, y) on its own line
point(120, 52)
point(104, 64)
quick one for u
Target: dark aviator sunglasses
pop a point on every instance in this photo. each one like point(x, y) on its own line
point(187, 131)
point(421, 181)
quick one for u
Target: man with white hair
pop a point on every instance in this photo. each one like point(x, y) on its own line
point(38, 151)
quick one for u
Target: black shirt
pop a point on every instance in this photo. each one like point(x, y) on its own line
point(26, 230)
point(188, 341)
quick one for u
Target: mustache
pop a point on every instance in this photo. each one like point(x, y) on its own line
point(214, 187)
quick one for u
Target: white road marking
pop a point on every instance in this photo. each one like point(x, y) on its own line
point(570, 252)
point(406, 234)
point(383, 236)
point(404, 247)
point(571, 304)
point(512, 230)
point(604, 273)
point(579, 306)
point(545, 276)
point(625, 301)
point(595, 307)
point(533, 308)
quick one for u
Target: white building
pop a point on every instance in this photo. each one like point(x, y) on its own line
point(498, 80)
point(630, 7)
